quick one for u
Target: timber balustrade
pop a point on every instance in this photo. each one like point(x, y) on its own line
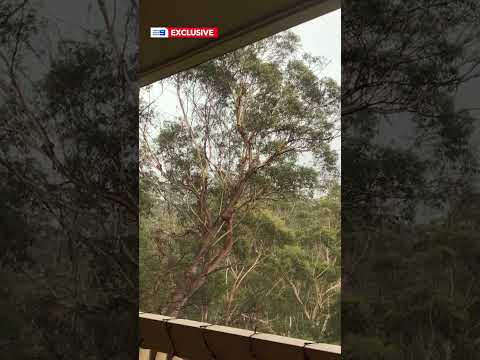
point(194, 340)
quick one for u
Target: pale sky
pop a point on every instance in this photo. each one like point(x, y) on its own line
point(322, 37)
point(319, 37)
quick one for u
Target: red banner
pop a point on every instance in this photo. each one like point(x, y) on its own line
point(193, 32)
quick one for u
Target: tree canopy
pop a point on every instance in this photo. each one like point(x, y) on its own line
point(254, 130)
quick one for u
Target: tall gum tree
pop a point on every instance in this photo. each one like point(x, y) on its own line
point(251, 125)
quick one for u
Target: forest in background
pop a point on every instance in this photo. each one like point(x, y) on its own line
point(282, 277)
point(240, 194)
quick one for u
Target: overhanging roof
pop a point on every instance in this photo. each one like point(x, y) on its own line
point(239, 22)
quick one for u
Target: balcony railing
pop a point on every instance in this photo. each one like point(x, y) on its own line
point(185, 339)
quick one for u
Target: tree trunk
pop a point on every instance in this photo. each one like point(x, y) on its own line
point(194, 280)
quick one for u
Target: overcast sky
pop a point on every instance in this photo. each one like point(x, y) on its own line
point(322, 37)
point(319, 37)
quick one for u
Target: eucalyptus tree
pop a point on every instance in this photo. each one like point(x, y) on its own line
point(251, 125)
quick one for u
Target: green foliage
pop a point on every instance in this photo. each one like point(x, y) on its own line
point(297, 241)
point(230, 191)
